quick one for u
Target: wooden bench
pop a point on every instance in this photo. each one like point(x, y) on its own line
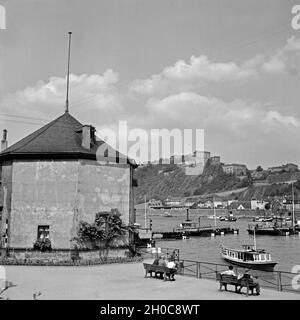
point(7, 285)
point(159, 270)
point(249, 284)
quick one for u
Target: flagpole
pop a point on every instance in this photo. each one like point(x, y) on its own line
point(68, 74)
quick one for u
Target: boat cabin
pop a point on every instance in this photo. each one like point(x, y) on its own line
point(188, 224)
point(248, 254)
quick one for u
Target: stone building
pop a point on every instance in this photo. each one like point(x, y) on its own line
point(236, 169)
point(53, 178)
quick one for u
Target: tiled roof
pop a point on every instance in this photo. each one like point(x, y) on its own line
point(61, 137)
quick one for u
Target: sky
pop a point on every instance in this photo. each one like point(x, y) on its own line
point(229, 67)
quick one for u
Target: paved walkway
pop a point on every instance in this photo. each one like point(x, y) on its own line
point(117, 282)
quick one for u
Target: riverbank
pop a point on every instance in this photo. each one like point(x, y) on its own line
point(117, 282)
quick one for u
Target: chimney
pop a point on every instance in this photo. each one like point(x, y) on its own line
point(88, 136)
point(4, 141)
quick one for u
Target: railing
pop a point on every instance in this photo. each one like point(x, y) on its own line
point(278, 280)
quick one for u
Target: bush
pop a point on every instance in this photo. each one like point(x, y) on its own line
point(42, 245)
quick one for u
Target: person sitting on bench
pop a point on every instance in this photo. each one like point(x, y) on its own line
point(255, 284)
point(172, 265)
point(229, 272)
point(155, 263)
point(162, 262)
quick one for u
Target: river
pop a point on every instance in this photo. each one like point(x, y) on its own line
point(284, 249)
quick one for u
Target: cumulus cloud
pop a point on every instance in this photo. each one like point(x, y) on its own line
point(286, 59)
point(174, 98)
point(189, 75)
point(97, 94)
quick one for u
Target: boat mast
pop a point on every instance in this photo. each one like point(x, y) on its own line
point(254, 239)
point(293, 216)
point(145, 212)
point(214, 213)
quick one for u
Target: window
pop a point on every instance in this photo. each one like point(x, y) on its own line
point(43, 232)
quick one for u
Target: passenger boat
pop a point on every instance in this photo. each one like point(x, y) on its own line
point(262, 219)
point(227, 218)
point(249, 257)
point(167, 214)
point(268, 229)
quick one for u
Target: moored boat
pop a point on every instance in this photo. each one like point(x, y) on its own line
point(262, 219)
point(167, 214)
point(249, 257)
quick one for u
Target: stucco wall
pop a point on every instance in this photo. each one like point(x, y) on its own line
point(43, 193)
point(103, 187)
point(6, 186)
point(60, 194)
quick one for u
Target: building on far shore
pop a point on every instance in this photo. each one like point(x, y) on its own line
point(215, 160)
point(55, 177)
point(258, 204)
point(236, 169)
point(289, 167)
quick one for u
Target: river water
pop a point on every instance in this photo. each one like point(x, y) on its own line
point(284, 249)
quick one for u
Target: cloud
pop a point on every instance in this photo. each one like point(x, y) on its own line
point(188, 76)
point(199, 71)
point(96, 94)
point(285, 60)
point(275, 117)
point(176, 98)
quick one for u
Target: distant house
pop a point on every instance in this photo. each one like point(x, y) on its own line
point(239, 205)
point(215, 160)
point(155, 203)
point(289, 167)
point(189, 202)
point(201, 204)
point(236, 169)
point(218, 204)
point(173, 202)
point(258, 204)
point(208, 204)
point(288, 204)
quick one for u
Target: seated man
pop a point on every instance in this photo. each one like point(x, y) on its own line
point(172, 265)
point(155, 263)
point(229, 272)
point(162, 262)
point(255, 284)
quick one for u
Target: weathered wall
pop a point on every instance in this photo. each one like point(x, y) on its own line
point(6, 187)
point(61, 193)
point(103, 187)
point(43, 193)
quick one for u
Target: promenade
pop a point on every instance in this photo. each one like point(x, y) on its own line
point(119, 282)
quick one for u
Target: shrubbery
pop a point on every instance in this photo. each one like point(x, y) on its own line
point(42, 245)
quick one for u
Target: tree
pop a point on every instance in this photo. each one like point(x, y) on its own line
point(259, 168)
point(106, 228)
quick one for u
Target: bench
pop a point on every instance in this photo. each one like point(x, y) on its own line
point(7, 285)
point(159, 270)
point(248, 283)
